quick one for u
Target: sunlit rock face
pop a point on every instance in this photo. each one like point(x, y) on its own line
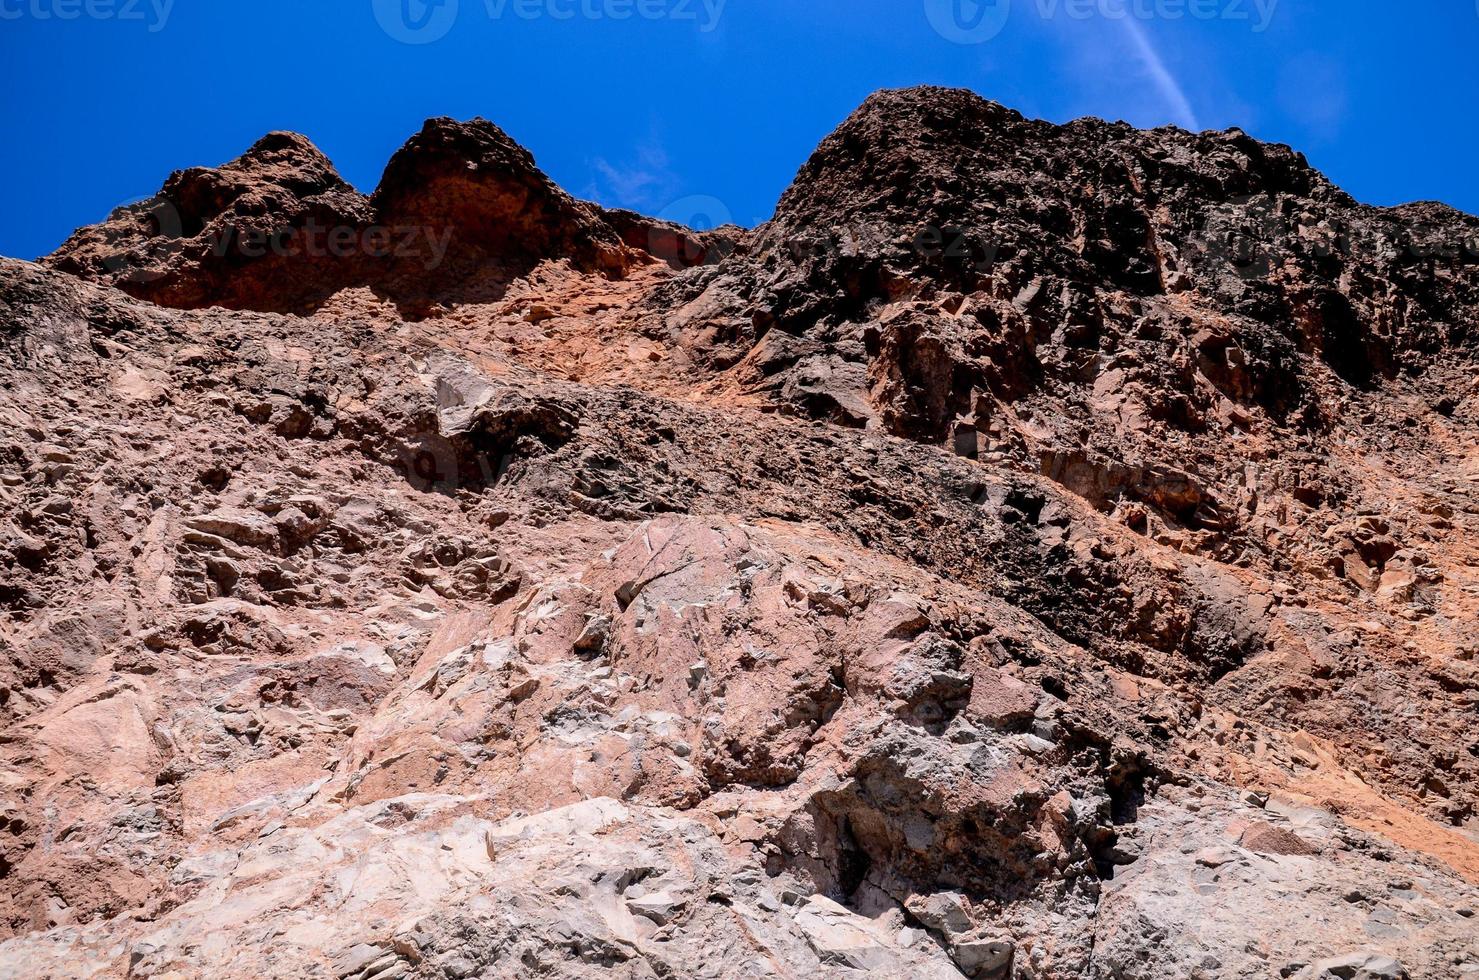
point(1039, 552)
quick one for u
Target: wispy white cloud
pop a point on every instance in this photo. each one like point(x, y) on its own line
point(642, 180)
point(1165, 82)
point(1125, 71)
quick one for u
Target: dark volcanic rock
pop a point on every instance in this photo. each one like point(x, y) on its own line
point(460, 212)
point(678, 246)
point(252, 234)
point(471, 187)
point(1039, 552)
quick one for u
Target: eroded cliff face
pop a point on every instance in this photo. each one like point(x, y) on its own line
point(1038, 552)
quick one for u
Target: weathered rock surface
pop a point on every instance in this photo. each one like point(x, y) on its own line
point(460, 212)
point(1039, 552)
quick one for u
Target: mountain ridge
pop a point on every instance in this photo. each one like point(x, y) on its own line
point(1036, 552)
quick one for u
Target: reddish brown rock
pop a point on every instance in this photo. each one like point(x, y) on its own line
point(1266, 839)
point(1032, 554)
point(260, 232)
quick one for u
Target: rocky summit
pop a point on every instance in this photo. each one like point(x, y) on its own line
point(1037, 553)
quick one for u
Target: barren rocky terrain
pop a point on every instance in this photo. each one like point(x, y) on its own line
point(1037, 552)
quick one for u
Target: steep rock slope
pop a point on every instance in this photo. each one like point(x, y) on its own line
point(460, 212)
point(1038, 552)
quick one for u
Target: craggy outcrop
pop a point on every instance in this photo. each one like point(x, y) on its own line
point(1038, 552)
point(461, 211)
point(471, 188)
point(252, 234)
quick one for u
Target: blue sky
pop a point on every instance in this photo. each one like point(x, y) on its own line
point(703, 109)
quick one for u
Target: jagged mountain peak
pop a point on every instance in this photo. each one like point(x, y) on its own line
point(1038, 552)
point(471, 180)
point(460, 210)
point(289, 151)
point(454, 143)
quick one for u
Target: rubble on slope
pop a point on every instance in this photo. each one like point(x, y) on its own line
point(990, 567)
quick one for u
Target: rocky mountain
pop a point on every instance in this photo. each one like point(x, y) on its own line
point(1037, 552)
